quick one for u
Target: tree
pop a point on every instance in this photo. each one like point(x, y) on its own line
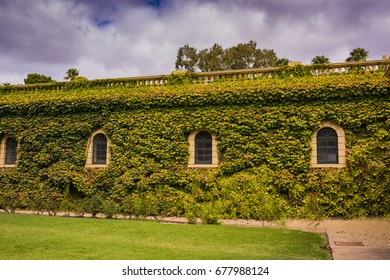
point(71, 74)
point(320, 59)
point(241, 56)
point(211, 59)
point(35, 78)
point(245, 56)
point(265, 58)
point(282, 62)
point(187, 58)
point(358, 54)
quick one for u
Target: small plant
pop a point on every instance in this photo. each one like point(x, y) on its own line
point(66, 206)
point(109, 209)
point(128, 207)
point(191, 217)
point(209, 214)
point(9, 203)
point(141, 208)
point(94, 205)
point(37, 204)
point(159, 205)
point(79, 207)
point(52, 204)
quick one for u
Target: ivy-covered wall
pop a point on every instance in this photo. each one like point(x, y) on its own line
point(264, 128)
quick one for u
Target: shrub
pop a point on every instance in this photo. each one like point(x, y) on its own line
point(109, 209)
point(209, 214)
point(191, 217)
point(94, 205)
point(10, 202)
point(79, 206)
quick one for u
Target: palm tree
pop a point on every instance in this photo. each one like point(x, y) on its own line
point(358, 54)
point(71, 74)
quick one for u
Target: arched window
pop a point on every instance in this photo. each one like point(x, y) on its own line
point(203, 148)
point(98, 152)
point(99, 149)
point(8, 151)
point(327, 146)
point(11, 147)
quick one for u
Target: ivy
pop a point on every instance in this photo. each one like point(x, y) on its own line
point(263, 127)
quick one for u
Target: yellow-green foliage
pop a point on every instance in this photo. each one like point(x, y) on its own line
point(263, 126)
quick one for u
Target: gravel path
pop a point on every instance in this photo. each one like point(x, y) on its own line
point(369, 232)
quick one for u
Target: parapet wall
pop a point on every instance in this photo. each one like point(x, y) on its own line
point(209, 77)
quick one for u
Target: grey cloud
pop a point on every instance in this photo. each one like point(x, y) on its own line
point(43, 31)
point(126, 38)
point(340, 11)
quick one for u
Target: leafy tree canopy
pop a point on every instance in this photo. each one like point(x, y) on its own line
point(35, 78)
point(282, 61)
point(71, 74)
point(187, 58)
point(211, 59)
point(358, 54)
point(320, 59)
point(241, 56)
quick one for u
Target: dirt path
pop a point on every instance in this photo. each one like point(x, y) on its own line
point(373, 232)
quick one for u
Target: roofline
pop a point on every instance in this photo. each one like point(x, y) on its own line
point(208, 77)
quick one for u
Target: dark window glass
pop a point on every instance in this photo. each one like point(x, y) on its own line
point(327, 147)
point(203, 148)
point(99, 149)
point(11, 151)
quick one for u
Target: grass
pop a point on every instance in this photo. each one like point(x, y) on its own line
point(33, 237)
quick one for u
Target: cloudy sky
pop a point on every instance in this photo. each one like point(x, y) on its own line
point(122, 38)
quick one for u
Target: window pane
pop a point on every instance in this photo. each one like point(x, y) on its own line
point(11, 151)
point(327, 149)
point(332, 143)
point(332, 158)
point(99, 149)
point(203, 148)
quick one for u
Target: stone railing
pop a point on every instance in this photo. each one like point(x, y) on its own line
point(125, 82)
point(208, 77)
point(317, 70)
point(346, 67)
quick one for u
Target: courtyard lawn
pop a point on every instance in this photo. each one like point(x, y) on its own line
point(33, 237)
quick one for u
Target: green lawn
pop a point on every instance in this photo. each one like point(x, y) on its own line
point(34, 237)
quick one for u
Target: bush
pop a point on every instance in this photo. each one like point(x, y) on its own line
point(109, 209)
point(191, 217)
point(79, 206)
point(209, 214)
point(94, 205)
point(10, 202)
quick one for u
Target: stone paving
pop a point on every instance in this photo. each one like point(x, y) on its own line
point(356, 250)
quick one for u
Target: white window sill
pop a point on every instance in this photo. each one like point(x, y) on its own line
point(335, 165)
point(96, 165)
point(203, 165)
point(7, 165)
